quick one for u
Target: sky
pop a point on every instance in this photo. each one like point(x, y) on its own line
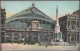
point(47, 7)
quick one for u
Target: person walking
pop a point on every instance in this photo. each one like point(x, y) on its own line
point(46, 45)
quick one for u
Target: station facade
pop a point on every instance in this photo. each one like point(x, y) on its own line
point(30, 25)
point(33, 26)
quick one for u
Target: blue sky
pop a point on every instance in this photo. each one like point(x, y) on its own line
point(47, 7)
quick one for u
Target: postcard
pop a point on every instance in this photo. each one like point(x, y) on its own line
point(39, 25)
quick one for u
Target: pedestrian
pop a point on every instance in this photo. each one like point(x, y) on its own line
point(46, 45)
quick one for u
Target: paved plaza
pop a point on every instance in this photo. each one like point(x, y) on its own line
point(21, 47)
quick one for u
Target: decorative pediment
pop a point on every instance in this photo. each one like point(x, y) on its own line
point(30, 12)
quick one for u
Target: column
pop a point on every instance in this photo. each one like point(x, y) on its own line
point(12, 35)
point(76, 38)
point(70, 37)
point(49, 33)
point(5, 37)
point(55, 36)
point(67, 37)
point(67, 24)
point(32, 36)
point(43, 37)
point(61, 35)
point(38, 38)
point(76, 24)
point(70, 25)
point(20, 37)
point(26, 37)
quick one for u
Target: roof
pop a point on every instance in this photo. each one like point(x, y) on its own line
point(30, 13)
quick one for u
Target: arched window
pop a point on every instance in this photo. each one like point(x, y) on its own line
point(77, 23)
point(68, 24)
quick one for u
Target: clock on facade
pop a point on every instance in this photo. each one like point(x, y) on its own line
point(35, 25)
point(33, 10)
